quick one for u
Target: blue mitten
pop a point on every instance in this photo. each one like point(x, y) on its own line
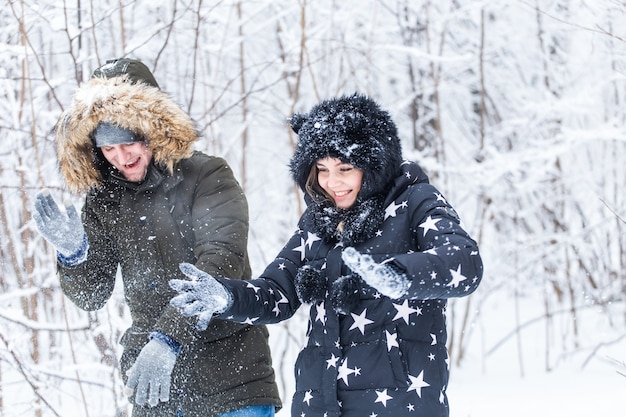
point(150, 375)
point(385, 279)
point(64, 231)
point(203, 296)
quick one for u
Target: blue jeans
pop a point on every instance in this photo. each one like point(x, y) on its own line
point(253, 411)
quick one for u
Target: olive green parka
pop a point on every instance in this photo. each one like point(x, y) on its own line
point(189, 208)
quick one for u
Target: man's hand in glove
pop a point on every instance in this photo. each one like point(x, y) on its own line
point(384, 278)
point(64, 232)
point(150, 376)
point(203, 296)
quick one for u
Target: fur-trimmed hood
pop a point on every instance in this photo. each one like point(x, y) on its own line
point(151, 113)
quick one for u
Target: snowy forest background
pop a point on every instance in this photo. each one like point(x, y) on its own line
point(515, 108)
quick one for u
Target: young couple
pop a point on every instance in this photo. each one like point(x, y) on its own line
point(375, 256)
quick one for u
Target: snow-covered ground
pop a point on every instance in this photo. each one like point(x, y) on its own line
point(597, 390)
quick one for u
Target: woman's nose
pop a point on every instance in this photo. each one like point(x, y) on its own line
point(333, 180)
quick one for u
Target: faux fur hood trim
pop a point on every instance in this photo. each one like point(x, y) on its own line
point(169, 131)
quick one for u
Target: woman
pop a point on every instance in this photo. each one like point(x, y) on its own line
point(377, 253)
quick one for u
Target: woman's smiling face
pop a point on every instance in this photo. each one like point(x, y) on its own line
point(341, 181)
point(131, 159)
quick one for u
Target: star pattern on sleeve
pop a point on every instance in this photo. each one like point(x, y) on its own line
point(282, 300)
point(250, 320)
point(457, 277)
point(301, 249)
point(253, 287)
point(429, 224)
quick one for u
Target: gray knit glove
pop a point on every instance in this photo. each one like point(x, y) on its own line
point(64, 231)
point(151, 374)
point(385, 279)
point(203, 296)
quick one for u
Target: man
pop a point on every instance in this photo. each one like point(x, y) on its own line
point(152, 203)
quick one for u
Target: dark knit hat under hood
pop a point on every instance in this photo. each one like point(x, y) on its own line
point(353, 129)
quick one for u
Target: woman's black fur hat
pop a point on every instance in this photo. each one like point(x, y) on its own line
point(353, 129)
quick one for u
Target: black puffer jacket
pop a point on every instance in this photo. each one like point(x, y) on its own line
point(367, 354)
point(189, 208)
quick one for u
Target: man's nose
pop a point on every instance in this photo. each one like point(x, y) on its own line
point(122, 155)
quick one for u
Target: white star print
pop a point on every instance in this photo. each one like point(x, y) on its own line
point(301, 249)
point(311, 238)
point(307, 397)
point(410, 407)
point(255, 288)
point(320, 313)
point(382, 397)
point(391, 209)
point(429, 224)
point(250, 320)
point(283, 300)
point(418, 383)
point(440, 198)
point(457, 277)
point(360, 321)
point(434, 337)
point(332, 361)
point(344, 372)
point(404, 311)
point(392, 340)
point(281, 266)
